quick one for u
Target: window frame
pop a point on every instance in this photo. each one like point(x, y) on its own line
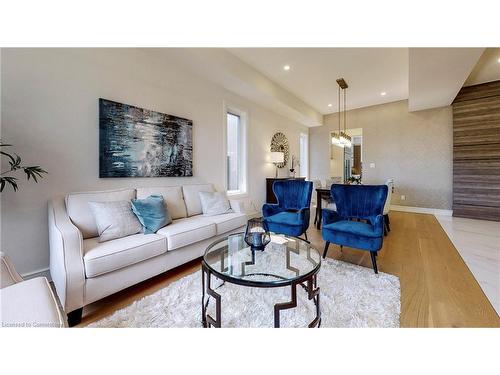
point(243, 151)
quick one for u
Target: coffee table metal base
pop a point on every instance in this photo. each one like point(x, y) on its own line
point(308, 282)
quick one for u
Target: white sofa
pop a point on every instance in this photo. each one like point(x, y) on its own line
point(85, 270)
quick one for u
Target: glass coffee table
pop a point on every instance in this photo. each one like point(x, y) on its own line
point(285, 262)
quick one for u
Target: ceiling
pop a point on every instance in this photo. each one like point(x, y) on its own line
point(487, 69)
point(313, 73)
point(426, 77)
point(436, 75)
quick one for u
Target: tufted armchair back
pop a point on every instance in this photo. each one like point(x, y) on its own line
point(293, 194)
point(359, 201)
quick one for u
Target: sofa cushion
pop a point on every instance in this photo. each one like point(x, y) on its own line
point(353, 227)
point(227, 222)
point(151, 212)
point(214, 203)
point(104, 257)
point(30, 303)
point(285, 218)
point(114, 219)
point(77, 205)
point(192, 197)
point(186, 231)
point(172, 195)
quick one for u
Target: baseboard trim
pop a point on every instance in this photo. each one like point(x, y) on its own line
point(422, 210)
point(44, 272)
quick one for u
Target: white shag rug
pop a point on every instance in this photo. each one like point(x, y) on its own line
point(351, 296)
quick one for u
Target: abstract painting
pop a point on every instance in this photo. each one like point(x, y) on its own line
point(136, 142)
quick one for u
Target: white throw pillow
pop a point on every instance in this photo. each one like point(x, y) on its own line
point(114, 219)
point(214, 203)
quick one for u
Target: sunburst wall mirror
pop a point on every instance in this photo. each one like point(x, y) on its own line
point(279, 143)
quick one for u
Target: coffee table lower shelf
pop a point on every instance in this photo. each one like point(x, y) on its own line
point(308, 282)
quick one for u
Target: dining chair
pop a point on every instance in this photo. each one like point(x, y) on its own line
point(316, 185)
point(333, 180)
point(329, 203)
point(387, 206)
point(358, 221)
point(314, 203)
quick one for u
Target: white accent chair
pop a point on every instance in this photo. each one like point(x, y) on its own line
point(387, 206)
point(27, 303)
point(85, 270)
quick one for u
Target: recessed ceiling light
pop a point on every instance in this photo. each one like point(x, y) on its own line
point(383, 93)
point(286, 67)
point(329, 105)
point(498, 60)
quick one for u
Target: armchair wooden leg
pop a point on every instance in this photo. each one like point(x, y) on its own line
point(387, 222)
point(373, 254)
point(326, 249)
point(75, 317)
point(341, 247)
point(305, 234)
point(385, 229)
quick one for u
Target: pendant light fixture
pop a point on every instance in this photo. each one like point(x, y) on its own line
point(336, 135)
point(344, 138)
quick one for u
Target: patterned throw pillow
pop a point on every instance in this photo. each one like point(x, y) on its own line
point(114, 219)
point(151, 212)
point(214, 203)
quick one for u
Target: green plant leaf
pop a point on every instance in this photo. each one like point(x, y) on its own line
point(12, 159)
point(34, 172)
point(16, 164)
point(12, 181)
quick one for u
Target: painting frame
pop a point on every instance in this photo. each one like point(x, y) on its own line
point(138, 142)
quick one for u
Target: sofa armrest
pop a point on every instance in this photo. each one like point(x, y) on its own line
point(378, 224)
point(66, 256)
point(30, 303)
point(237, 206)
point(330, 216)
point(305, 213)
point(8, 273)
point(269, 209)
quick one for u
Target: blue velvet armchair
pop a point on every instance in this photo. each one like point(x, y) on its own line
point(358, 221)
point(291, 215)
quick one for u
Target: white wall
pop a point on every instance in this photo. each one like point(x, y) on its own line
point(50, 113)
point(414, 148)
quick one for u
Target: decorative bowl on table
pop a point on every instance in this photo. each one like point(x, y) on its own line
point(256, 235)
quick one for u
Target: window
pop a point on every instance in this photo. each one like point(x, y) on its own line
point(304, 155)
point(235, 152)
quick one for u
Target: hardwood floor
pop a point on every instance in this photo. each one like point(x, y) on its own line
point(437, 288)
point(478, 243)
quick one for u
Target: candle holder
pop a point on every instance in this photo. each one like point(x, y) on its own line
point(256, 235)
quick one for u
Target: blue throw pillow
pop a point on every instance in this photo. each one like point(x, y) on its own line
point(151, 212)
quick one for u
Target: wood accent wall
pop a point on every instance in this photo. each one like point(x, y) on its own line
point(476, 152)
